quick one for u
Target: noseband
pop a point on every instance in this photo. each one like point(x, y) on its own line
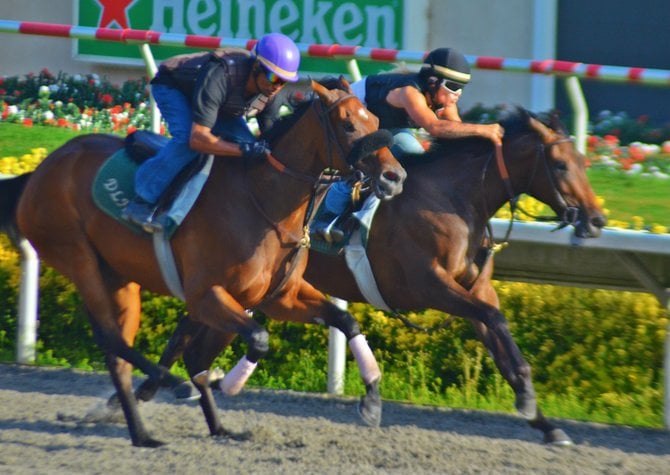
point(570, 214)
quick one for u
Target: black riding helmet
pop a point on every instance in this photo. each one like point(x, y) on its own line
point(444, 64)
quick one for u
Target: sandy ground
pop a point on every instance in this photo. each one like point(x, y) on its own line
point(277, 432)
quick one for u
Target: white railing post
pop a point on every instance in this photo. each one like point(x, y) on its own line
point(150, 64)
point(337, 351)
point(26, 338)
point(580, 111)
point(666, 369)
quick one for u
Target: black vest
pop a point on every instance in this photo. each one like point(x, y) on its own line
point(377, 88)
point(183, 72)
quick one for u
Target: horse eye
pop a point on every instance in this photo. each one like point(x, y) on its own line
point(561, 166)
point(349, 127)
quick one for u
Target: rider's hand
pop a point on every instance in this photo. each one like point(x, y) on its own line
point(495, 133)
point(257, 149)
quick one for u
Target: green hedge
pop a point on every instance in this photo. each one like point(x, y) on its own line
point(595, 354)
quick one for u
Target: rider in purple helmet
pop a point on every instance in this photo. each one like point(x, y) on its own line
point(205, 98)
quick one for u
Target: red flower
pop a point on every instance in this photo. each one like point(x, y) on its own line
point(636, 154)
point(107, 99)
point(5, 113)
point(131, 129)
point(62, 122)
point(28, 122)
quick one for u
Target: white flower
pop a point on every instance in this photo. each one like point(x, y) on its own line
point(13, 109)
point(48, 115)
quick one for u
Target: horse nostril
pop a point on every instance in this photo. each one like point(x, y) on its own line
point(391, 176)
point(599, 221)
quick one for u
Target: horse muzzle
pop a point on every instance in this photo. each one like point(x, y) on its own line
point(369, 144)
point(589, 225)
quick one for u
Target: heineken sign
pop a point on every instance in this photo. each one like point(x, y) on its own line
point(369, 23)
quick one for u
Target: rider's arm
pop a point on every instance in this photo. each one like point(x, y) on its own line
point(415, 104)
point(203, 140)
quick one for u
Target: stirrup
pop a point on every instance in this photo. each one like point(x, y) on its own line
point(331, 233)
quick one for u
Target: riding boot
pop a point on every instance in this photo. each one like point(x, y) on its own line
point(141, 212)
point(327, 227)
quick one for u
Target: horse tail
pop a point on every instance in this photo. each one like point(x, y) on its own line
point(10, 192)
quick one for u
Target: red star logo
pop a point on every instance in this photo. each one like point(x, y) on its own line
point(114, 11)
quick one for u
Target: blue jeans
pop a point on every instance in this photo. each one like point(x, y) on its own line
point(156, 174)
point(339, 195)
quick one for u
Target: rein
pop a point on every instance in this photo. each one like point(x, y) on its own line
point(568, 218)
point(303, 242)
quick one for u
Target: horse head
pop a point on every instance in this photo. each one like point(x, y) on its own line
point(357, 141)
point(559, 178)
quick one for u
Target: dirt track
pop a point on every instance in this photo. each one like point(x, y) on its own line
point(286, 432)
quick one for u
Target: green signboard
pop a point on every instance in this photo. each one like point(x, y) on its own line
point(369, 23)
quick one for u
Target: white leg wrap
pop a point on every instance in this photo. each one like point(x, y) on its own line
point(367, 364)
point(234, 381)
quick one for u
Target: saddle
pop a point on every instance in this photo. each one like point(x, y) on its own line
point(113, 186)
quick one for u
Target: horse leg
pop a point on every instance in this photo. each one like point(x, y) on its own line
point(526, 402)
point(185, 331)
point(199, 345)
point(198, 357)
point(220, 311)
point(311, 306)
point(104, 302)
point(126, 304)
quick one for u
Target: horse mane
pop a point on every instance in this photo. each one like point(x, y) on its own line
point(282, 124)
point(515, 123)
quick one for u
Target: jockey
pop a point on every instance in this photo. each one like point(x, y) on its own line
point(405, 101)
point(204, 98)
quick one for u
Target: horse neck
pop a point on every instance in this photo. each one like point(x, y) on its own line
point(302, 150)
point(305, 146)
point(520, 160)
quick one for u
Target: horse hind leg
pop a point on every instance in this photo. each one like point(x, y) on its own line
point(526, 401)
point(101, 293)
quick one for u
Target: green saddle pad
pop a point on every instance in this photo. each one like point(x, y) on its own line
point(114, 186)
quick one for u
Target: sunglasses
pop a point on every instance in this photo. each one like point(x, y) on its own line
point(451, 86)
point(273, 78)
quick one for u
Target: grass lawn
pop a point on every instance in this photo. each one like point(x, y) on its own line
point(625, 196)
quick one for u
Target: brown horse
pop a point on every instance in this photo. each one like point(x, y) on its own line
point(240, 246)
point(429, 247)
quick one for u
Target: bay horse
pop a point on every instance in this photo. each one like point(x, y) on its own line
point(241, 246)
point(429, 247)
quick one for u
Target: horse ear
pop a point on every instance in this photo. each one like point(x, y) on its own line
point(324, 93)
point(546, 134)
point(345, 84)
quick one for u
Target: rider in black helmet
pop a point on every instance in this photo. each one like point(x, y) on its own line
point(405, 101)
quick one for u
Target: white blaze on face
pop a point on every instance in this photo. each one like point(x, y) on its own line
point(363, 113)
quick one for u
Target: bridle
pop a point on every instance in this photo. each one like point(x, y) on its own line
point(570, 214)
point(302, 243)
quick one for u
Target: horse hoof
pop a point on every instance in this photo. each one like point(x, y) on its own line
point(149, 443)
point(185, 391)
point(370, 406)
point(558, 437)
point(370, 412)
point(526, 406)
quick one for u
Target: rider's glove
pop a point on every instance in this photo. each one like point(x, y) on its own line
point(257, 149)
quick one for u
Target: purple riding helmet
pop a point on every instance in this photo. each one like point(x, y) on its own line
point(279, 54)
